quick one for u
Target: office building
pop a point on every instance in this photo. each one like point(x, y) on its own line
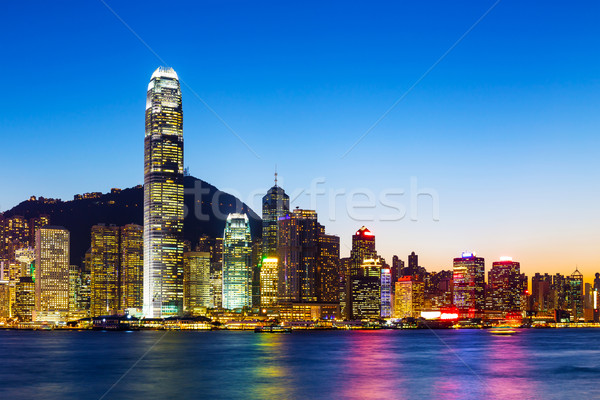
point(237, 262)
point(469, 282)
point(268, 282)
point(196, 283)
point(409, 296)
point(163, 196)
point(52, 274)
point(504, 285)
point(132, 267)
point(105, 265)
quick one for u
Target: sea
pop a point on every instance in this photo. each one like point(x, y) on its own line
point(376, 364)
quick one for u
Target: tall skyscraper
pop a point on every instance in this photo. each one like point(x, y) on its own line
point(25, 299)
point(469, 282)
point(105, 265)
point(574, 295)
point(52, 273)
point(196, 282)
point(409, 297)
point(163, 196)
point(237, 262)
point(268, 282)
point(363, 248)
point(132, 267)
point(504, 283)
point(366, 290)
point(386, 293)
point(275, 204)
point(328, 267)
point(298, 246)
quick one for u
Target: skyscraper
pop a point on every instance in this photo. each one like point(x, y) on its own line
point(132, 266)
point(275, 204)
point(163, 196)
point(328, 267)
point(105, 265)
point(52, 273)
point(298, 246)
point(25, 298)
point(386, 293)
point(363, 248)
point(574, 295)
point(504, 283)
point(196, 282)
point(469, 282)
point(409, 297)
point(237, 263)
point(366, 290)
point(268, 282)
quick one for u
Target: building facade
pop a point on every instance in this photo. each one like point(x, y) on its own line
point(469, 282)
point(52, 274)
point(163, 196)
point(237, 262)
point(196, 283)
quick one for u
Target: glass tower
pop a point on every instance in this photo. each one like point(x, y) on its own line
point(163, 197)
point(275, 204)
point(237, 266)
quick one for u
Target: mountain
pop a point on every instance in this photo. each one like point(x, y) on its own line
point(206, 211)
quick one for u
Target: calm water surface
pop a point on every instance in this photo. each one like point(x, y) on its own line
point(448, 364)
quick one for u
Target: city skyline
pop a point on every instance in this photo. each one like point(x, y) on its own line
point(509, 149)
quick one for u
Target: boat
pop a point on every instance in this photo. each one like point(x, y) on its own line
point(272, 329)
point(502, 330)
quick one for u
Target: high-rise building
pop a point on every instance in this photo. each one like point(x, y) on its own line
point(366, 290)
point(74, 283)
point(132, 267)
point(409, 297)
point(328, 268)
point(268, 282)
point(397, 268)
point(504, 283)
point(363, 248)
point(52, 273)
point(25, 299)
point(196, 283)
point(386, 293)
point(275, 204)
point(298, 246)
point(574, 295)
point(163, 196)
point(237, 262)
point(469, 282)
point(541, 299)
point(105, 265)
point(413, 264)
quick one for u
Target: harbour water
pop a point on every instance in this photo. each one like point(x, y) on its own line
point(384, 364)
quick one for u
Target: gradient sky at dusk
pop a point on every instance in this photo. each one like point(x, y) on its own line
point(504, 129)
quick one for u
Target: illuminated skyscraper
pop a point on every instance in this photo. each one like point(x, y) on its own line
point(386, 293)
point(52, 273)
point(409, 297)
point(268, 282)
point(363, 248)
point(328, 267)
point(504, 283)
point(298, 246)
point(196, 282)
point(275, 204)
point(469, 282)
point(132, 267)
point(25, 299)
point(366, 290)
point(237, 263)
point(574, 295)
point(163, 196)
point(105, 270)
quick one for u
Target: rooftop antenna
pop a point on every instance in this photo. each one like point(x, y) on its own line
point(275, 175)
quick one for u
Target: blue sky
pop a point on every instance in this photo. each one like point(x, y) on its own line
point(504, 128)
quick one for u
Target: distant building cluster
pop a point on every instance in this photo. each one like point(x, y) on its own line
point(294, 273)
